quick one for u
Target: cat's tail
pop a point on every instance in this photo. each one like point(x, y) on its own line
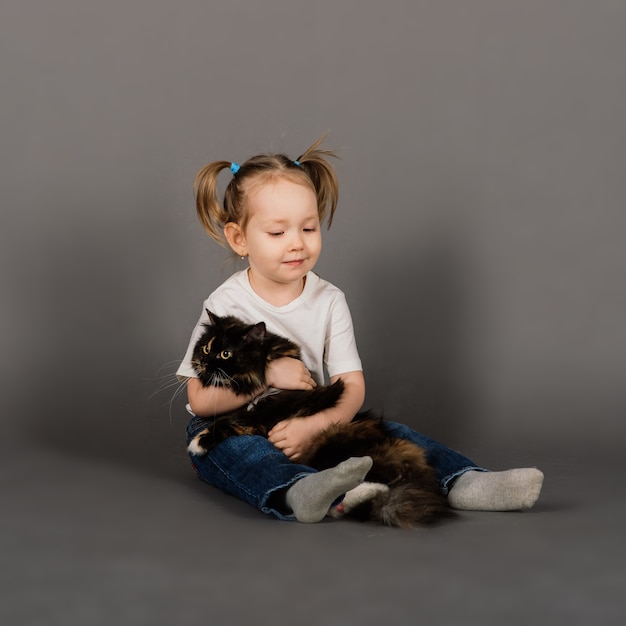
point(404, 505)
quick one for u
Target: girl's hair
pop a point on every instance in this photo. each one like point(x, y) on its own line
point(311, 169)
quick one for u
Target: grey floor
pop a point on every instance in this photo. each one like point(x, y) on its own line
point(127, 535)
point(482, 149)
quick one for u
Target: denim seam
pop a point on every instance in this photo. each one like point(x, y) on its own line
point(452, 477)
point(230, 477)
point(261, 502)
point(266, 497)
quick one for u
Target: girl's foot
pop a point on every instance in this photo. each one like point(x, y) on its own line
point(511, 490)
point(310, 497)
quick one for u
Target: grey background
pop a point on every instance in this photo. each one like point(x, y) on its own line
point(479, 240)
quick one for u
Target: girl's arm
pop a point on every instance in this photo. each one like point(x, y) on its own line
point(284, 373)
point(211, 401)
point(293, 436)
point(351, 400)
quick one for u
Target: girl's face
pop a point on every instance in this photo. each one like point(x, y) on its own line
point(282, 237)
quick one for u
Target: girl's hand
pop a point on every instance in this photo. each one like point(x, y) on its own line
point(293, 436)
point(288, 373)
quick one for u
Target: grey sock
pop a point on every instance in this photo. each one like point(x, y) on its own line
point(510, 490)
point(310, 497)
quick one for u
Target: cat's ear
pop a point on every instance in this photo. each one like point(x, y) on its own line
point(256, 332)
point(214, 318)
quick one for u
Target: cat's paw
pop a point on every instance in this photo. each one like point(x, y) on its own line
point(363, 492)
point(195, 447)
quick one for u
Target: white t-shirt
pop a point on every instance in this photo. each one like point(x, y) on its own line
point(318, 320)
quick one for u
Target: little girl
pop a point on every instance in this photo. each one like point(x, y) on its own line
point(272, 213)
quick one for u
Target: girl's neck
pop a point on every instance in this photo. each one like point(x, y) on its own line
point(276, 294)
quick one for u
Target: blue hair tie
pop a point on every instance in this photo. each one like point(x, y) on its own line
point(297, 163)
point(234, 167)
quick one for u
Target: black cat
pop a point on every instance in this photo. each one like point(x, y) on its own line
point(235, 355)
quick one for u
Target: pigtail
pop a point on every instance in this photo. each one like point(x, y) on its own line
point(314, 161)
point(311, 168)
point(211, 214)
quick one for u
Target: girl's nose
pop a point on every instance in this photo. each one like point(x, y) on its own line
point(296, 242)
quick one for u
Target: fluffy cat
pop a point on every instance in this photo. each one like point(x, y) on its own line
point(401, 489)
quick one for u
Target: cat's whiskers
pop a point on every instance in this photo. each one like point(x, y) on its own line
point(179, 390)
point(166, 382)
point(173, 363)
point(219, 378)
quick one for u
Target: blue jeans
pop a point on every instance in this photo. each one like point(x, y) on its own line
point(252, 469)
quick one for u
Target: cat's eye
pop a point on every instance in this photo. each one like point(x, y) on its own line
point(225, 354)
point(206, 349)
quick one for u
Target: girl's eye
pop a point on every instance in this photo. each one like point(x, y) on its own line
point(225, 354)
point(310, 230)
point(277, 234)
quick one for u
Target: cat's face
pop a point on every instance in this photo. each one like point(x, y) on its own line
point(230, 354)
